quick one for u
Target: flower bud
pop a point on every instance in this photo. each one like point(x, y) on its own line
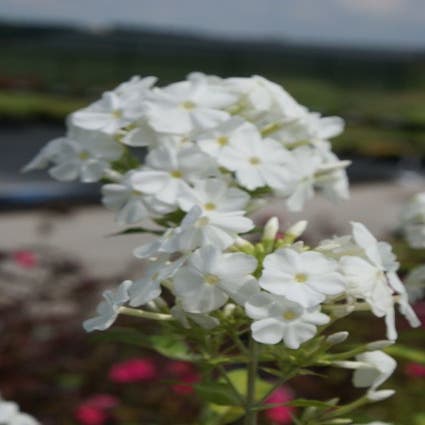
point(296, 230)
point(270, 229)
point(379, 345)
point(380, 395)
point(229, 309)
point(337, 338)
point(244, 245)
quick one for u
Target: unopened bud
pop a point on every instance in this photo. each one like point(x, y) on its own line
point(244, 245)
point(270, 229)
point(296, 230)
point(379, 395)
point(229, 309)
point(379, 345)
point(337, 337)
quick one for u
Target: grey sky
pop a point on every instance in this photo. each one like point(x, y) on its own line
point(384, 22)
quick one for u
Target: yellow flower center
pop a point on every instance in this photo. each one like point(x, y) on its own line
point(211, 279)
point(117, 114)
point(254, 160)
point(188, 105)
point(300, 277)
point(176, 174)
point(289, 315)
point(223, 140)
point(209, 206)
point(84, 156)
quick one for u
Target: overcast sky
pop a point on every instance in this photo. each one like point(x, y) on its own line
point(380, 22)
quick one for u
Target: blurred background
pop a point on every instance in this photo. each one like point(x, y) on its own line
point(363, 60)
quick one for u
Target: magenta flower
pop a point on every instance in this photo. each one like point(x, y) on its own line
point(415, 370)
point(133, 370)
point(280, 414)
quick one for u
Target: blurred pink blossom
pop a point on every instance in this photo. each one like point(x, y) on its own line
point(133, 370)
point(415, 370)
point(94, 410)
point(186, 374)
point(25, 259)
point(280, 414)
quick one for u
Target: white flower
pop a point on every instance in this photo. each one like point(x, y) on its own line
point(375, 279)
point(199, 229)
point(115, 109)
point(82, 154)
point(306, 278)
point(130, 204)
point(277, 319)
point(188, 105)
point(213, 141)
point(106, 115)
point(371, 369)
point(108, 309)
point(204, 283)
point(168, 172)
point(148, 288)
point(214, 195)
point(10, 415)
point(262, 96)
point(256, 162)
point(309, 128)
point(413, 221)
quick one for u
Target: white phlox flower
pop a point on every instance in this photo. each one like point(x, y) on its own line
point(108, 310)
point(371, 370)
point(130, 204)
point(169, 171)
point(10, 414)
point(188, 105)
point(204, 283)
point(199, 229)
point(214, 141)
point(116, 109)
point(307, 278)
point(148, 288)
point(261, 96)
point(309, 128)
point(413, 221)
point(374, 278)
point(214, 195)
point(276, 319)
point(83, 155)
point(257, 162)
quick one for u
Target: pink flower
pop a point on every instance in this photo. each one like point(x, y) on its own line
point(186, 374)
point(93, 411)
point(280, 414)
point(133, 370)
point(90, 415)
point(415, 370)
point(25, 259)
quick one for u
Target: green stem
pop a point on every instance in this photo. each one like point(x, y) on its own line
point(135, 312)
point(251, 412)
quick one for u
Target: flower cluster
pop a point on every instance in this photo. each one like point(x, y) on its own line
point(211, 148)
point(247, 134)
point(287, 288)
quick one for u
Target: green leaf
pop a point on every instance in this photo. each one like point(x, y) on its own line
point(407, 353)
point(310, 403)
point(136, 230)
point(171, 346)
point(238, 377)
point(217, 393)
